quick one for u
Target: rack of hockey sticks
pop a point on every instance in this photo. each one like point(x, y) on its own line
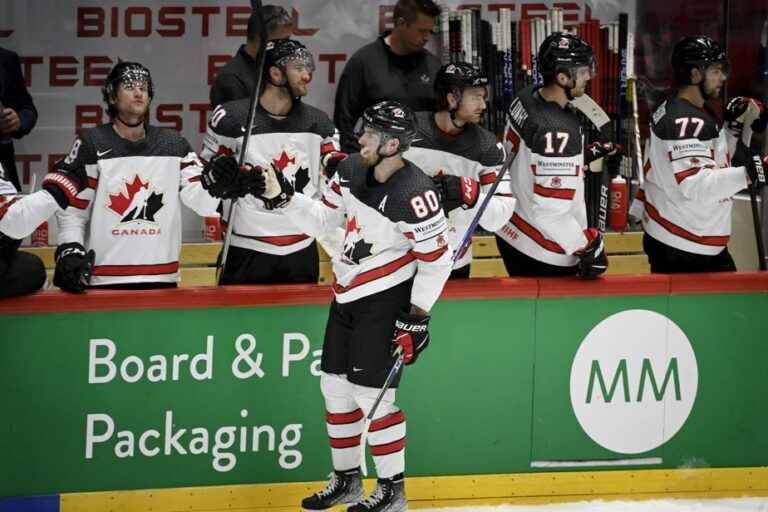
point(505, 50)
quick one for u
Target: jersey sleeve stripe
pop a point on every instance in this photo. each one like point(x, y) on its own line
point(556, 193)
point(92, 182)
point(184, 165)
point(4, 207)
point(536, 235)
point(487, 179)
point(716, 241)
point(194, 178)
point(680, 176)
point(136, 270)
point(376, 273)
point(328, 203)
point(388, 448)
point(336, 187)
point(80, 204)
point(429, 256)
point(344, 418)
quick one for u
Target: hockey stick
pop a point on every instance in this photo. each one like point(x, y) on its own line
point(746, 139)
point(466, 241)
point(387, 382)
point(252, 105)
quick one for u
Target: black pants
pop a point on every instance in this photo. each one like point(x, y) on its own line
point(669, 260)
point(251, 267)
point(358, 336)
point(461, 272)
point(522, 265)
point(25, 274)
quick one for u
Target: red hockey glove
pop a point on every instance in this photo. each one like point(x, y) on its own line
point(331, 161)
point(456, 192)
point(411, 335)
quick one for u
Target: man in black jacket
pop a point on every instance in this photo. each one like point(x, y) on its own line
point(237, 78)
point(18, 114)
point(394, 67)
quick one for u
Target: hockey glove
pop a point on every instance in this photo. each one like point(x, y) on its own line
point(456, 192)
point(73, 267)
point(65, 185)
point(592, 258)
point(754, 165)
point(278, 190)
point(250, 180)
point(742, 110)
point(411, 335)
point(219, 176)
point(331, 161)
point(598, 150)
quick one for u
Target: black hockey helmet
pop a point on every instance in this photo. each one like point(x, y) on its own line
point(392, 119)
point(282, 51)
point(125, 72)
point(696, 52)
point(454, 78)
point(562, 53)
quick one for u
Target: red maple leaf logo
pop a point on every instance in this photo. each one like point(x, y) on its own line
point(352, 225)
point(282, 162)
point(120, 202)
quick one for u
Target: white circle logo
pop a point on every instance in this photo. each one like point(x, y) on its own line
point(634, 381)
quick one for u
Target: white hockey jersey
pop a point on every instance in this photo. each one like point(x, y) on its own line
point(131, 208)
point(294, 145)
point(689, 180)
point(474, 153)
point(547, 179)
point(395, 231)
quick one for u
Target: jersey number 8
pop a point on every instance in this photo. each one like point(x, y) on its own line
point(423, 205)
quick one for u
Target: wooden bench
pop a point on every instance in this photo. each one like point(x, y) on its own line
point(198, 260)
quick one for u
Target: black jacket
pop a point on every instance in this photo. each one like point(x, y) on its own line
point(235, 80)
point(13, 94)
point(375, 74)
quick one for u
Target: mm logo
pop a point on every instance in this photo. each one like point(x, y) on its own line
point(633, 381)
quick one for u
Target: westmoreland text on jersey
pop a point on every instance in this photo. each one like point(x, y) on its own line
point(294, 146)
point(547, 179)
point(474, 153)
point(395, 231)
point(689, 180)
point(131, 204)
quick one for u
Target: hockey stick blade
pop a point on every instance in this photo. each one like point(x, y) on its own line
point(594, 112)
point(387, 382)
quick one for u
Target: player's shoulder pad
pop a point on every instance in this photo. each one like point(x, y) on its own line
point(410, 200)
point(677, 119)
point(318, 121)
point(346, 168)
point(229, 119)
point(87, 142)
point(519, 111)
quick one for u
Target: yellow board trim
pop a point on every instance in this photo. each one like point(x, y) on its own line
point(447, 491)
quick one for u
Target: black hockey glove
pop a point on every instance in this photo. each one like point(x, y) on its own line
point(250, 180)
point(331, 161)
point(754, 165)
point(592, 258)
point(64, 185)
point(73, 267)
point(411, 335)
point(219, 176)
point(456, 192)
point(598, 150)
point(278, 190)
point(737, 114)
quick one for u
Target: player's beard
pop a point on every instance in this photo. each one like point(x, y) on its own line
point(369, 156)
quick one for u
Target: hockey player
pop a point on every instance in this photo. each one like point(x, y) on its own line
point(22, 272)
point(547, 235)
point(690, 176)
point(137, 176)
point(395, 262)
point(299, 141)
point(462, 156)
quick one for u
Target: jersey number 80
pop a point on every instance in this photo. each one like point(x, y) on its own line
point(426, 204)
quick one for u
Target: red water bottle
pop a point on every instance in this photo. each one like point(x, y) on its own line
point(619, 194)
point(212, 229)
